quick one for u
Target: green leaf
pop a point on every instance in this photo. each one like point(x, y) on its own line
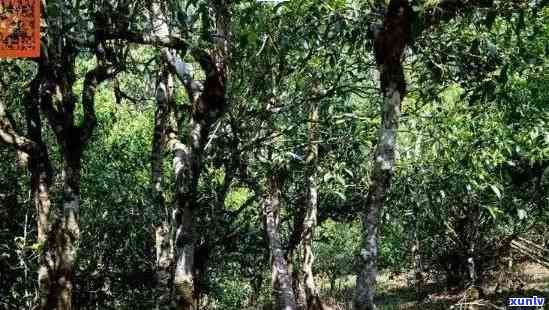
point(340, 195)
point(327, 177)
point(349, 172)
point(522, 214)
point(493, 211)
point(496, 191)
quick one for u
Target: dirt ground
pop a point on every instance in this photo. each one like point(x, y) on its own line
point(525, 280)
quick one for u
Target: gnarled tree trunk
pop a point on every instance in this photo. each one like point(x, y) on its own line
point(163, 231)
point(51, 94)
point(281, 278)
point(389, 46)
point(57, 233)
point(57, 102)
point(208, 105)
point(66, 233)
point(310, 220)
point(40, 182)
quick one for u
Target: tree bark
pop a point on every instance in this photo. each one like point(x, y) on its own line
point(293, 247)
point(40, 183)
point(389, 45)
point(54, 271)
point(163, 231)
point(56, 234)
point(40, 191)
point(256, 283)
point(187, 165)
point(51, 92)
point(67, 232)
point(57, 102)
point(299, 288)
point(208, 105)
point(281, 278)
point(310, 220)
point(473, 220)
point(416, 262)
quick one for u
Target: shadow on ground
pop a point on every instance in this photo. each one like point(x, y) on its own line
point(396, 293)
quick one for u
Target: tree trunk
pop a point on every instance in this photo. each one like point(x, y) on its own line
point(67, 232)
point(163, 240)
point(294, 246)
point(62, 235)
point(473, 220)
point(40, 170)
point(174, 240)
point(187, 165)
point(163, 247)
point(299, 288)
point(380, 182)
point(208, 105)
point(281, 278)
point(416, 262)
point(366, 278)
point(256, 283)
point(185, 247)
point(56, 233)
point(40, 182)
point(389, 46)
point(61, 248)
point(52, 95)
point(40, 191)
point(310, 220)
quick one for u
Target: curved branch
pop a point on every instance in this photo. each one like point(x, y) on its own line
point(92, 80)
point(9, 136)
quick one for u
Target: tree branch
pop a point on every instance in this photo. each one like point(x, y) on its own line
point(92, 80)
point(8, 134)
point(183, 72)
point(168, 41)
point(448, 9)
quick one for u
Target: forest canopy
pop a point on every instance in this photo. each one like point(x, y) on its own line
point(299, 154)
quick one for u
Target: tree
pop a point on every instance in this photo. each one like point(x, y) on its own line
point(389, 45)
point(51, 93)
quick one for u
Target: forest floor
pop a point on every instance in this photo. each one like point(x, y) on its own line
point(526, 280)
point(396, 293)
